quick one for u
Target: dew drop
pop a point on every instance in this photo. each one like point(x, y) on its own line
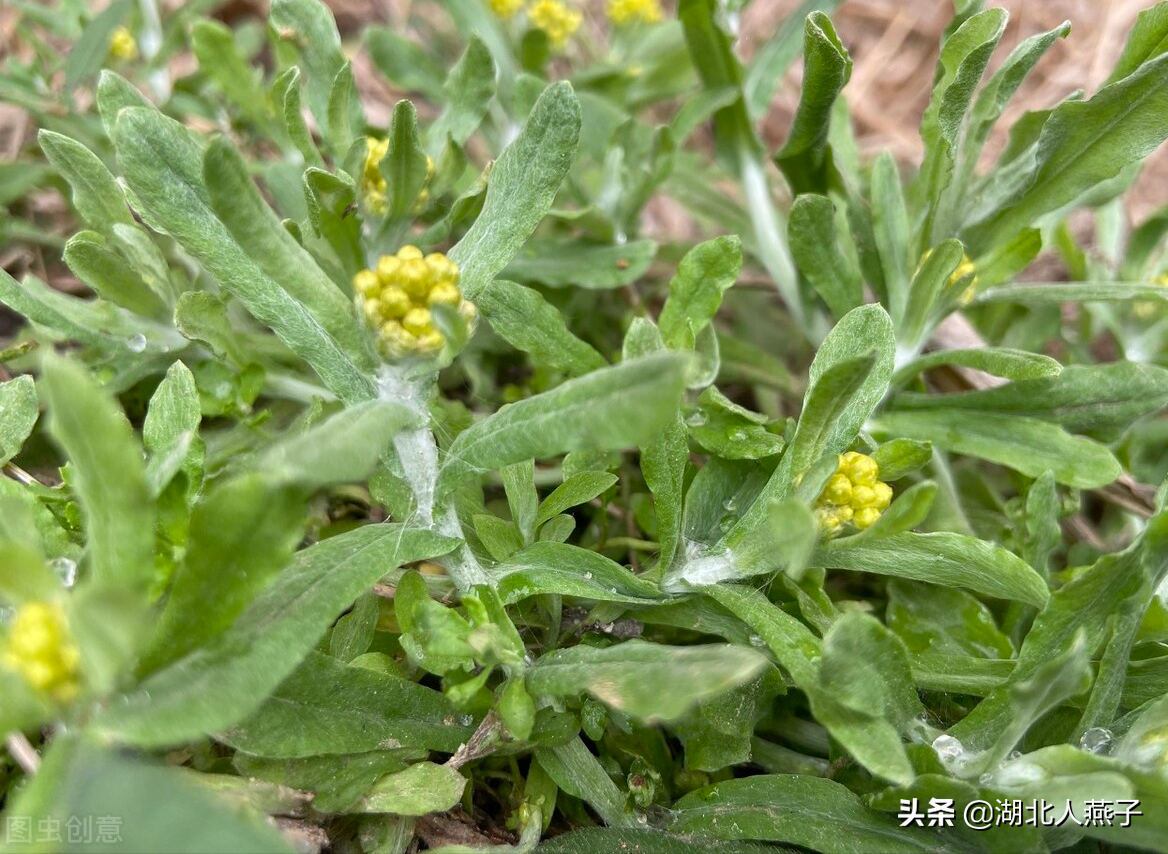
point(466, 720)
point(65, 569)
point(588, 575)
point(730, 505)
point(136, 343)
point(1096, 740)
point(696, 419)
point(738, 435)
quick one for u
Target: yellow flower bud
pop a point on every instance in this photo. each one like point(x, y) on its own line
point(373, 186)
point(394, 303)
point(866, 517)
point(860, 468)
point(863, 496)
point(838, 489)
point(556, 19)
point(388, 267)
point(366, 283)
point(40, 649)
point(883, 496)
point(506, 8)
point(409, 253)
point(444, 293)
point(418, 321)
point(622, 12)
point(431, 341)
point(414, 277)
point(122, 45)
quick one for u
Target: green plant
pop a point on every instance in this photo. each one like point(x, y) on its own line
point(382, 477)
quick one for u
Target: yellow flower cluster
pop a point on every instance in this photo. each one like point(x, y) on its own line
point(557, 20)
point(39, 648)
point(396, 298)
point(506, 8)
point(854, 494)
point(964, 269)
point(374, 190)
point(622, 12)
point(122, 45)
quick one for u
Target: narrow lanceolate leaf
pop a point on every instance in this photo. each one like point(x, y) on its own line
point(1147, 41)
point(523, 184)
point(1082, 144)
point(18, 415)
point(308, 28)
point(326, 707)
point(650, 681)
point(164, 168)
point(609, 409)
point(815, 246)
point(954, 560)
point(154, 805)
point(96, 193)
point(569, 570)
point(695, 293)
point(109, 475)
point(1024, 444)
point(237, 202)
point(468, 89)
point(827, 68)
point(528, 322)
point(812, 812)
point(219, 684)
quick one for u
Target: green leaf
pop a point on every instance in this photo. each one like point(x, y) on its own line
point(91, 50)
point(963, 60)
point(522, 186)
point(242, 534)
point(500, 537)
point(285, 95)
point(111, 276)
point(998, 361)
point(1147, 41)
point(695, 292)
point(553, 567)
point(608, 409)
point(811, 812)
point(221, 59)
point(953, 560)
point(257, 229)
point(827, 67)
point(326, 707)
point(1025, 444)
point(421, 789)
point(307, 26)
point(528, 322)
point(1048, 294)
point(343, 448)
point(1084, 604)
point(865, 696)
point(346, 118)
point(934, 619)
point(405, 63)
point(109, 475)
point(813, 233)
point(718, 731)
point(1083, 144)
point(650, 681)
point(337, 780)
point(791, 642)
point(615, 840)
point(890, 230)
point(900, 457)
point(927, 291)
point(96, 194)
point(731, 431)
point(172, 422)
point(560, 263)
point(219, 684)
point(1098, 400)
point(152, 806)
point(18, 415)
point(469, 88)
point(578, 773)
point(578, 489)
point(161, 164)
point(404, 164)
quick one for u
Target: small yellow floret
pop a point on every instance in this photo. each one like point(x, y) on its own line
point(557, 20)
point(373, 187)
point(622, 12)
point(853, 494)
point(122, 45)
point(40, 649)
point(366, 283)
point(506, 8)
point(408, 283)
